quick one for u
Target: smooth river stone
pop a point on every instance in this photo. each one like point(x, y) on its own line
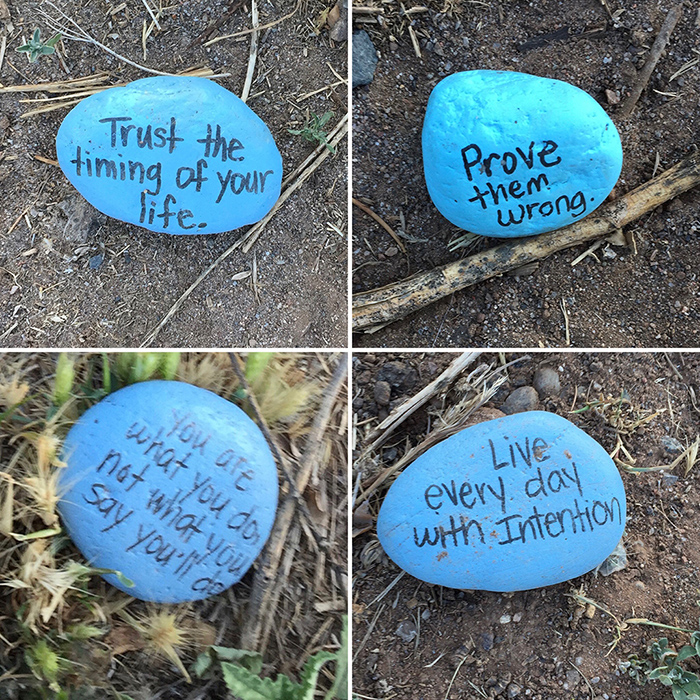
point(507, 505)
point(173, 154)
point(507, 154)
point(171, 485)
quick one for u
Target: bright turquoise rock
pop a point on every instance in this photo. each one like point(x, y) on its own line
point(508, 154)
point(173, 154)
point(172, 486)
point(515, 503)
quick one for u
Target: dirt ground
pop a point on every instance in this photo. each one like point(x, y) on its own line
point(650, 298)
point(536, 644)
point(58, 293)
point(297, 607)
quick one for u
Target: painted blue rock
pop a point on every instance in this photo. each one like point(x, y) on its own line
point(172, 486)
point(519, 502)
point(173, 154)
point(507, 154)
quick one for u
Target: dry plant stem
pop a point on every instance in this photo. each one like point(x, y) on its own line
point(268, 582)
point(674, 14)
point(67, 28)
point(398, 300)
point(207, 33)
point(67, 98)
point(380, 221)
point(289, 186)
point(253, 53)
point(381, 432)
point(314, 442)
point(264, 26)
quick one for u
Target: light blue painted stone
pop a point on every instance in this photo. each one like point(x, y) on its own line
point(515, 503)
point(507, 154)
point(171, 485)
point(173, 154)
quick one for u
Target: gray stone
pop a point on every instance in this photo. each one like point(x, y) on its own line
point(364, 59)
point(83, 218)
point(382, 393)
point(546, 382)
point(96, 261)
point(671, 445)
point(406, 631)
point(523, 399)
point(339, 32)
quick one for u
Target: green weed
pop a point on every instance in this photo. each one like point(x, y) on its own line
point(241, 672)
point(314, 130)
point(666, 665)
point(36, 47)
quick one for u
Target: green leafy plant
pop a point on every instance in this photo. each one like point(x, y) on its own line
point(241, 672)
point(314, 130)
point(45, 663)
point(668, 668)
point(36, 47)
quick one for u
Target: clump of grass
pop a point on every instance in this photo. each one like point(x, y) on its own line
point(315, 130)
point(279, 386)
point(164, 632)
point(619, 413)
point(210, 371)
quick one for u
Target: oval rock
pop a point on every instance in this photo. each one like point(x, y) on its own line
point(507, 154)
point(170, 485)
point(173, 154)
point(507, 505)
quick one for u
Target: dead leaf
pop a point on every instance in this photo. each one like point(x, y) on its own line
point(123, 638)
point(362, 519)
point(333, 16)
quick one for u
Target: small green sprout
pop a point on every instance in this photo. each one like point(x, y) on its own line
point(36, 47)
point(314, 130)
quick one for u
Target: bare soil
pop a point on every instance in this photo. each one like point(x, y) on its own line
point(614, 298)
point(547, 648)
point(51, 294)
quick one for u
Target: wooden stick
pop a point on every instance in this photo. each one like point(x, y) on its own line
point(394, 301)
point(380, 221)
point(268, 580)
point(253, 233)
point(253, 52)
point(657, 48)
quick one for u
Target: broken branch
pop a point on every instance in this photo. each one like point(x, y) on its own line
point(395, 301)
point(657, 48)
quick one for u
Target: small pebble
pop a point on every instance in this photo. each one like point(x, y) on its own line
point(382, 393)
point(96, 262)
point(546, 382)
point(406, 631)
point(523, 399)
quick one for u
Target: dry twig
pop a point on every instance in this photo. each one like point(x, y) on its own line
point(289, 185)
point(381, 222)
point(674, 14)
point(398, 300)
point(269, 581)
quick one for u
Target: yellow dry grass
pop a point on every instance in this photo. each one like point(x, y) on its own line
point(53, 599)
